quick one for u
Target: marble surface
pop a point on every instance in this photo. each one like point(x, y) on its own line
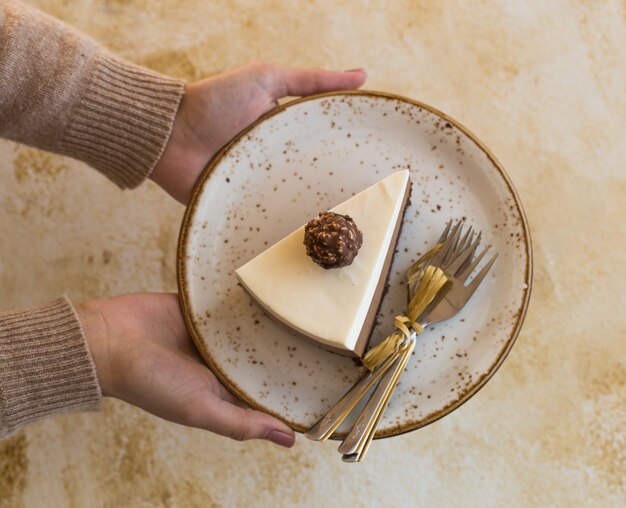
point(541, 83)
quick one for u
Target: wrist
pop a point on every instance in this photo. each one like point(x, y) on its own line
point(96, 335)
point(185, 154)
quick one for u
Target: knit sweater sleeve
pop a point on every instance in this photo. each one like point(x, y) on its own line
point(62, 92)
point(45, 366)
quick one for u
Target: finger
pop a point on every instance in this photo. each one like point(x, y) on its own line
point(296, 82)
point(241, 424)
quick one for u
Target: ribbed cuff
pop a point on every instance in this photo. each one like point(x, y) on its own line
point(123, 120)
point(45, 366)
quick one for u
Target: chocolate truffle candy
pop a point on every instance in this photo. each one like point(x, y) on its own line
point(332, 240)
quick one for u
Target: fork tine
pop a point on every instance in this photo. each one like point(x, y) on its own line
point(466, 254)
point(465, 271)
point(467, 239)
point(437, 259)
point(472, 252)
point(453, 243)
point(473, 286)
point(444, 235)
point(453, 250)
point(463, 244)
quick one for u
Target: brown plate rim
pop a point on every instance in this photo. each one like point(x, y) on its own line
point(182, 256)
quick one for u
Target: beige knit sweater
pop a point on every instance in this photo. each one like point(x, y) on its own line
point(62, 92)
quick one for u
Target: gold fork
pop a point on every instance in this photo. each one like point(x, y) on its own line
point(456, 259)
point(452, 247)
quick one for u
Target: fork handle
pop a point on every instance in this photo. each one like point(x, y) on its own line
point(328, 423)
point(365, 442)
point(365, 427)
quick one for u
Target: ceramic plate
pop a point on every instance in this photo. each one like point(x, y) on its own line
point(308, 156)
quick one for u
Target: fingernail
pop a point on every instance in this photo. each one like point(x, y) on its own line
point(359, 69)
point(281, 438)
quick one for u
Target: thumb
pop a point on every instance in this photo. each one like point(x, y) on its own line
point(296, 82)
point(242, 424)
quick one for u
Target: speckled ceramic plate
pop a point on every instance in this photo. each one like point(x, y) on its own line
point(310, 155)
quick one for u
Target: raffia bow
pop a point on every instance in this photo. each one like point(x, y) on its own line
point(427, 280)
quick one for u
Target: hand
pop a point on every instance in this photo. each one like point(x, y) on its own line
point(214, 110)
point(144, 355)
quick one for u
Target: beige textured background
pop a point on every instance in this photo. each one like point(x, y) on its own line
point(542, 83)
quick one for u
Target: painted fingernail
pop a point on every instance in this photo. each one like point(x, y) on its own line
point(360, 69)
point(280, 438)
